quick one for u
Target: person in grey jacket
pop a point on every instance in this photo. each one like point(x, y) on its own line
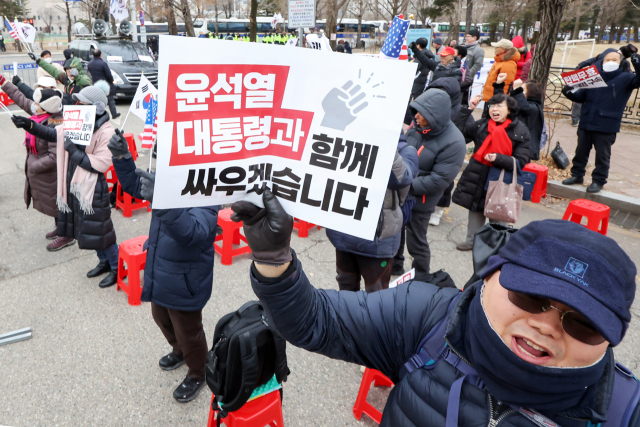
point(372, 259)
point(529, 345)
point(475, 59)
point(441, 149)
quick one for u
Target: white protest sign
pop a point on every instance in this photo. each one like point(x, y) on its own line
point(302, 14)
point(321, 133)
point(480, 79)
point(78, 123)
point(409, 275)
point(587, 78)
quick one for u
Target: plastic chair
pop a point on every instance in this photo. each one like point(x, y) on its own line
point(362, 406)
point(4, 98)
point(265, 410)
point(597, 214)
point(111, 177)
point(133, 149)
point(230, 236)
point(303, 227)
point(128, 203)
point(131, 253)
point(542, 176)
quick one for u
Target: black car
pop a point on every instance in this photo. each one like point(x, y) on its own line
point(126, 59)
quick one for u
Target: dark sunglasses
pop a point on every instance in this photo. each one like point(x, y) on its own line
point(573, 323)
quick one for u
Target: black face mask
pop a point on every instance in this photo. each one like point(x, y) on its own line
point(517, 382)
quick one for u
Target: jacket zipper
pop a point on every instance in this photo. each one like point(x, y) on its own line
point(493, 422)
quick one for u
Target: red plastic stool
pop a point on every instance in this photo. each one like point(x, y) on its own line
point(597, 214)
point(128, 203)
point(230, 236)
point(131, 253)
point(265, 410)
point(362, 406)
point(132, 145)
point(303, 227)
point(111, 177)
point(542, 176)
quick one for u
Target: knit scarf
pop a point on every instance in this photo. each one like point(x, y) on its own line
point(30, 140)
point(83, 182)
point(497, 141)
point(517, 382)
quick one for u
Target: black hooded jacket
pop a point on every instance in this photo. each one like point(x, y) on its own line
point(460, 116)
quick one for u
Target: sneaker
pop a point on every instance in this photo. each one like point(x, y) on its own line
point(52, 234)
point(575, 123)
point(110, 280)
point(435, 217)
point(188, 390)
point(116, 115)
point(464, 246)
point(171, 362)
point(99, 270)
point(60, 243)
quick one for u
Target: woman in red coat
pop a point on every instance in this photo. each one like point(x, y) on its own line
point(518, 43)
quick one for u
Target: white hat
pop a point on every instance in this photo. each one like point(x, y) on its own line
point(504, 43)
point(48, 82)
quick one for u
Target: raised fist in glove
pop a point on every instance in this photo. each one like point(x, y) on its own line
point(635, 58)
point(32, 56)
point(412, 46)
point(119, 146)
point(268, 229)
point(70, 146)
point(16, 80)
point(22, 122)
point(148, 182)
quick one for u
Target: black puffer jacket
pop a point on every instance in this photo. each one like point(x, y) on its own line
point(441, 149)
point(382, 331)
point(422, 73)
point(93, 231)
point(439, 70)
point(470, 192)
point(460, 116)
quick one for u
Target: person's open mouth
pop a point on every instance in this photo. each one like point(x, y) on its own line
point(530, 351)
point(495, 116)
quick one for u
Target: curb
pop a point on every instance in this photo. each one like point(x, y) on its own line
point(614, 200)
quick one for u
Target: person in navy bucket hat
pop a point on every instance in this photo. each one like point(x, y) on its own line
point(568, 263)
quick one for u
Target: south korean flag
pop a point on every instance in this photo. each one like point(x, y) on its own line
point(145, 88)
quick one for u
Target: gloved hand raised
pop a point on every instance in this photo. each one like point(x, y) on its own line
point(22, 122)
point(70, 146)
point(148, 182)
point(32, 56)
point(16, 80)
point(268, 229)
point(119, 146)
point(412, 46)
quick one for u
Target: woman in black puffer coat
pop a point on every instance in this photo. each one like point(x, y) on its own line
point(470, 192)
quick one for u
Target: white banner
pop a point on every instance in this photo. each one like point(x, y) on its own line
point(78, 123)
point(302, 14)
point(480, 79)
point(320, 131)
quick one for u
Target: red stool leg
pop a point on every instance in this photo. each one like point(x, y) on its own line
point(122, 272)
point(362, 406)
point(212, 415)
point(227, 247)
point(134, 284)
point(236, 236)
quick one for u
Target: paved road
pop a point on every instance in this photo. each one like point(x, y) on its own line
point(93, 358)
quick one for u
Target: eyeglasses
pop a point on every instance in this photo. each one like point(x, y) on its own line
point(573, 323)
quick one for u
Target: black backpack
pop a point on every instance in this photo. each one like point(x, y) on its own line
point(247, 352)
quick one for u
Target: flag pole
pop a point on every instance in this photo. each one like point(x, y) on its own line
point(150, 157)
point(127, 116)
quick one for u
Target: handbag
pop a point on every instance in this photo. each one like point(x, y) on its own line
point(504, 200)
point(526, 179)
point(560, 157)
point(487, 242)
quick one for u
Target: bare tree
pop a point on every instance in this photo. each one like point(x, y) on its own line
point(550, 17)
point(358, 8)
point(394, 7)
point(47, 16)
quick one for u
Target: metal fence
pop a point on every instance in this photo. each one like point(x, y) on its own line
point(556, 102)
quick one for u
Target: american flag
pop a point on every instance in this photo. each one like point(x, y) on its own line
point(393, 43)
point(148, 135)
point(13, 30)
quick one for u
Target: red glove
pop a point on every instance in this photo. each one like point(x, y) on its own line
point(2, 80)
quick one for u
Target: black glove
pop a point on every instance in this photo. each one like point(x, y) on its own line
point(635, 59)
point(119, 146)
point(22, 122)
point(628, 50)
point(70, 146)
point(16, 80)
point(32, 56)
point(566, 89)
point(148, 182)
point(268, 229)
point(412, 46)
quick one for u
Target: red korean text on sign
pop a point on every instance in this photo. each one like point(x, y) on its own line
point(231, 112)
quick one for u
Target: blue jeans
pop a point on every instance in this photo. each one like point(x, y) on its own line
point(109, 254)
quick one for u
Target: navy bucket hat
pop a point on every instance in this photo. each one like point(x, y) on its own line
point(568, 263)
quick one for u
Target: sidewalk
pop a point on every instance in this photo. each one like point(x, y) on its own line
point(624, 174)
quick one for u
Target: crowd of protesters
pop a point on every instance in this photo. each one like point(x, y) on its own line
point(67, 182)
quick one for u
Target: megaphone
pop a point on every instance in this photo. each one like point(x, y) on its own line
point(80, 28)
point(99, 27)
point(125, 28)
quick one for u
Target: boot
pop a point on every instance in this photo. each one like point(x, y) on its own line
point(60, 243)
point(52, 234)
point(110, 280)
point(99, 270)
point(188, 390)
point(573, 180)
